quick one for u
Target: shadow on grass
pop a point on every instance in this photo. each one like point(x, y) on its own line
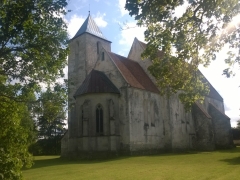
point(58, 161)
point(232, 150)
point(233, 161)
point(45, 161)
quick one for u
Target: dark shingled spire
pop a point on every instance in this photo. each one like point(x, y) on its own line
point(96, 82)
point(89, 26)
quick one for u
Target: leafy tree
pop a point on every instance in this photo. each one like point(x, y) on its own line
point(13, 139)
point(238, 124)
point(51, 114)
point(186, 41)
point(33, 50)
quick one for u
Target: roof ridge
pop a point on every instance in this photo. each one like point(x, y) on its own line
point(211, 86)
point(125, 57)
point(218, 110)
point(90, 26)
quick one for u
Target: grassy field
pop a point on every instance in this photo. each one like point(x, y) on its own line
point(223, 164)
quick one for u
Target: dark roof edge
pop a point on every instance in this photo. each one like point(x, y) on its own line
point(211, 86)
point(117, 66)
point(97, 93)
point(90, 34)
point(203, 110)
point(219, 111)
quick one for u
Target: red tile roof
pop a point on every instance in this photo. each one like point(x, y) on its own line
point(133, 73)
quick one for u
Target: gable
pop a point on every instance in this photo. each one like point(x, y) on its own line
point(133, 73)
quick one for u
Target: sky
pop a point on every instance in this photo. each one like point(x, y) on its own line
point(112, 19)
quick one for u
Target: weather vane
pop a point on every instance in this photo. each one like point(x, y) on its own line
point(89, 9)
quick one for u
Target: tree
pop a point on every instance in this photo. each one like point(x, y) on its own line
point(51, 114)
point(186, 41)
point(33, 50)
point(238, 124)
point(14, 139)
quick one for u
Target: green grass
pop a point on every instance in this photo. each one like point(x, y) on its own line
point(223, 164)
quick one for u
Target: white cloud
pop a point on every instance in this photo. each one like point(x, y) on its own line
point(99, 20)
point(129, 32)
point(228, 88)
point(74, 24)
point(121, 6)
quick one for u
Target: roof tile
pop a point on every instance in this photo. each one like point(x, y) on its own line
point(133, 73)
point(96, 82)
point(89, 26)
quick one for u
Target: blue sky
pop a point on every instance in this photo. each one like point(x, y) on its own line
point(110, 15)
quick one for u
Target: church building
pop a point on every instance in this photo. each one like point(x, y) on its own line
point(116, 108)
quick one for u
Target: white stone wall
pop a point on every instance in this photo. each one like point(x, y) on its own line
point(88, 139)
point(182, 124)
point(82, 58)
point(108, 67)
point(146, 120)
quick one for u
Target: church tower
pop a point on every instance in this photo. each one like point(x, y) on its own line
point(84, 52)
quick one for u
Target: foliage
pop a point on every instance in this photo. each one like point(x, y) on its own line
point(50, 146)
point(14, 139)
point(186, 40)
point(33, 50)
point(238, 124)
point(51, 114)
point(236, 133)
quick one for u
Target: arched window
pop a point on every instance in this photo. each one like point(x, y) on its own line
point(99, 119)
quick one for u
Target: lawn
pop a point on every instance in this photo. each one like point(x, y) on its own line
point(223, 164)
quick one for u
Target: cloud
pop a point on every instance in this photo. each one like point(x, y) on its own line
point(99, 20)
point(228, 88)
point(74, 24)
point(234, 115)
point(129, 32)
point(121, 6)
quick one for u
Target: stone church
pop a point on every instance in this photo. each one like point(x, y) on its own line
point(115, 106)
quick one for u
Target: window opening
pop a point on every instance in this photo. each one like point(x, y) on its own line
point(102, 56)
point(97, 47)
point(99, 119)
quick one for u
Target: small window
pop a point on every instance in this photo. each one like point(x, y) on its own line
point(97, 47)
point(102, 56)
point(99, 119)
